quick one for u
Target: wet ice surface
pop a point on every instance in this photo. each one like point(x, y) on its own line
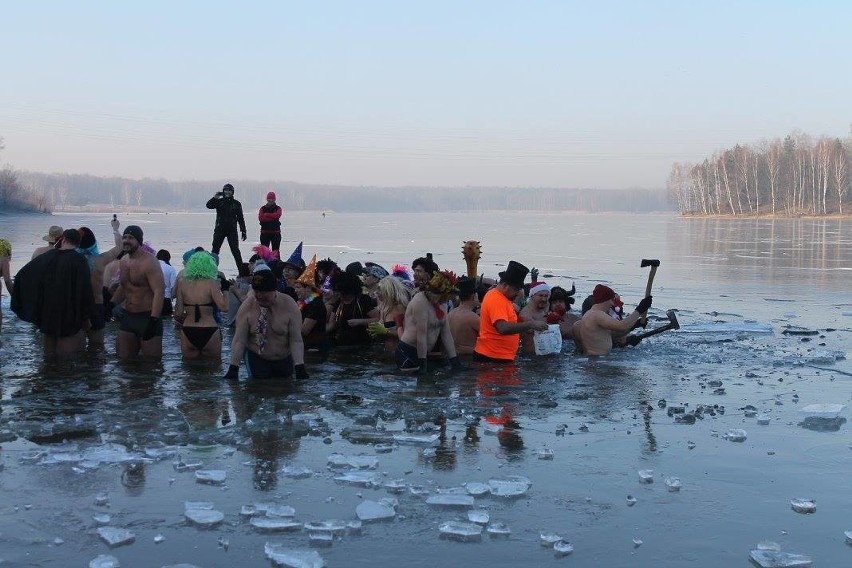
point(140, 436)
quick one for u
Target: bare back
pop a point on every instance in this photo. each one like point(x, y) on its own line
point(464, 325)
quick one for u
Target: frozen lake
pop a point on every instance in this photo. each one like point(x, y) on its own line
point(765, 309)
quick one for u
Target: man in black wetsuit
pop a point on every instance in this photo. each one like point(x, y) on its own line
point(229, 213)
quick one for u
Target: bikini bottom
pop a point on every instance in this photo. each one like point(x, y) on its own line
point(199, 336)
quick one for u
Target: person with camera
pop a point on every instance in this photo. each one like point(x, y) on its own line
point(229, 214)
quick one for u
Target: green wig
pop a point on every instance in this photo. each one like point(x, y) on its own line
point(5, 248)
point(200, 265)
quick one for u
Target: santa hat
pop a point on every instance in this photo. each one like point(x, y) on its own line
point(602, 293)
point(537, 287)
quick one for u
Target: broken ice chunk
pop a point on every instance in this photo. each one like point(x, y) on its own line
point(281, 555)
point(115, 536)
point(735, 435)
point(373, 511)
point(461, 531)
point(805, 506)
point(778, 559)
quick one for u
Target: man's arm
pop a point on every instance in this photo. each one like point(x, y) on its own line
point(620, 326)
point(505, 328)
point(240, 338)
point(297, 345)
point(213, 202)
point(240, 219)
point(154, 276)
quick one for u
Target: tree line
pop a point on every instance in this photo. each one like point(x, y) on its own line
point(795, 176)
point(115, 193)
point(16, 197)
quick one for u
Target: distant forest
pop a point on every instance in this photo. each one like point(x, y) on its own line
point(792, 177)
point(107, 193)
point(14, 196)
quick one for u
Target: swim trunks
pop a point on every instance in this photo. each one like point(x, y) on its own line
point(137, 322)
point(406, 356)
point(260, 368)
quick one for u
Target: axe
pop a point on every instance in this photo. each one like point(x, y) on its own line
point(653, 263)
point(673, 324)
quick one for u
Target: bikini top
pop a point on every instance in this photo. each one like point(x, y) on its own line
point(198, 308)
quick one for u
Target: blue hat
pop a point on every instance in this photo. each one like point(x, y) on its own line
point(295, 259)
point(190, 252)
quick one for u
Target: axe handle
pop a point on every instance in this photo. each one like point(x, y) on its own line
point(655, 331)
point(644, 319)
point(651, 275)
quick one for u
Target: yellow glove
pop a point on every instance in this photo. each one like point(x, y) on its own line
point(377, 329)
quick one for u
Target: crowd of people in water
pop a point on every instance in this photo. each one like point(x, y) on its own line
point(280, 308)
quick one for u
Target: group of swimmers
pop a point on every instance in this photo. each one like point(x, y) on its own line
point(280, 309)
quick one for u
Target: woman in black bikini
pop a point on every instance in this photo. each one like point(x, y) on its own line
point(197, 295)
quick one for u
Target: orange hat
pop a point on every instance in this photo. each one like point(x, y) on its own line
point(308, 277)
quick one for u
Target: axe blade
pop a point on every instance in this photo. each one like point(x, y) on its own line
point(655, 262)
point(673, 319)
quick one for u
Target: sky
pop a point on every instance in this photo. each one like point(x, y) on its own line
point(400, 93)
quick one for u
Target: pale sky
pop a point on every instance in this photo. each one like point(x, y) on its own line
point(450, 93)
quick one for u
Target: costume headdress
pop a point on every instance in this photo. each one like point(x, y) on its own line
point(200, 266)
point(308, 277)
point(5, 248)
point(265, 252)
point(401, 272)
point(295, 260)
point(440, 284)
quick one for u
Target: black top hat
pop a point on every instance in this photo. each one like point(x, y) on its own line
point(514, 274)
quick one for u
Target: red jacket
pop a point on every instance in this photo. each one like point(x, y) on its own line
point(269, 219)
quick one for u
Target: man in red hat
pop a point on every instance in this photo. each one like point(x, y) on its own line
point(593, 333)
point(270, 223)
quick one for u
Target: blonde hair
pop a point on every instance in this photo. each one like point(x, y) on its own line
point(393, 294)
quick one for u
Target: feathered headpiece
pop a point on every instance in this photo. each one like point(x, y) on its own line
point(451, 276)
point(401, 272)
point(265, 252)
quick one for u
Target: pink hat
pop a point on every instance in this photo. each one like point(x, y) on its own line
point(271, 195)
